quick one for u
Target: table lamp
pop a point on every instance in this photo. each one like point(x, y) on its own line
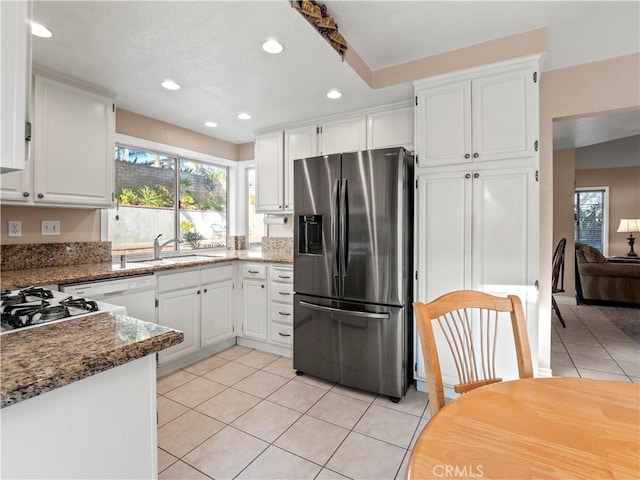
point(629, 226)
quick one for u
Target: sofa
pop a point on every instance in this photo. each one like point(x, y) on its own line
point(602, 281)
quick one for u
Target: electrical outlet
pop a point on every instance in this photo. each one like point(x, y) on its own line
point(15, 228)
point(50, 227)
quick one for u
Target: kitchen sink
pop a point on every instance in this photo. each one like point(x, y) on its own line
point(184, 259)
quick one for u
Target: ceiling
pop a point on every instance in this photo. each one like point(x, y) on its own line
point(585, 131)
point(212, 49)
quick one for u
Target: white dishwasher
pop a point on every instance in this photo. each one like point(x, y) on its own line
point(137, 294)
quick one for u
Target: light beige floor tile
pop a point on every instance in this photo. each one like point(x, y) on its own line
point(580, 339)
point(276, 463)
point(574, 331)
point(206, 365)
point(587, 351)
point(366, 458)
point(585, 373)
point(314, 381)
point(266, 420)
point(186, 432)
point(326, 474)
point(561, 358)
point(624, 353)
point(195, 392)
point(297, 395)
point(182, 471)
point(338, 409)
point(563, 371)
point(261, 384)
point(594, 363)
point(226, 454)
point(313, 439)
point(613, 334)
point(228, 405)
point(388, 425)
point(402, 471)
point(257, 359)
point(283, 367)
point(630, 368)
point(635, 379)
point(558, 347)
point(172, 381)
point(354, 393)
point(165, 460)
point(614, 343)
point(230, 373)
point(234, 352)
point(414, 402)
point(168, 410)
point(423, 423)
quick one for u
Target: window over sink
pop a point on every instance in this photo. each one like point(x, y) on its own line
point(160, 193)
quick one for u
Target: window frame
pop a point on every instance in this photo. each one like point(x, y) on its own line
point(605, 213)
point(178, 154)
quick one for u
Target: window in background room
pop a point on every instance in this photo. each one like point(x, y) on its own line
point(591, 208)
point(255, 221)
point(158, 194)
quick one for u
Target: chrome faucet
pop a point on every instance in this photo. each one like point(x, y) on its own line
point(157, 246)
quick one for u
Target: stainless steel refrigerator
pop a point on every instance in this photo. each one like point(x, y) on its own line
point(353, 264)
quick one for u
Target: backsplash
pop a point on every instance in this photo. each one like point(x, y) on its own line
point(39, 255)
point(282, 245)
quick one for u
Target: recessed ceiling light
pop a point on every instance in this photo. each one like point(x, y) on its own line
point(40, 30)
point(244, 116)
point(272, 46)
point(171, 85)
point(333, 94)
point(210, 124)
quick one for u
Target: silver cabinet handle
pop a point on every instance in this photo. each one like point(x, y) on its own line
point(253, 271)
point(284, 314)
point(284, 276)
point(284, 293)
point(284, 334)
point(346, 312)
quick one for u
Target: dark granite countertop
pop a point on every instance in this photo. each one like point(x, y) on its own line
point(74, 349)
point(12, 279)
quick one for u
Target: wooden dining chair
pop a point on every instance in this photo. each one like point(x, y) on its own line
point(468, 320)
point(557, 276)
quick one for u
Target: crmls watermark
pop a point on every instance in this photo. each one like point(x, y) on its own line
point(457, 471)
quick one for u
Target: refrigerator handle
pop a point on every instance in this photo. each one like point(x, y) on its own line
point(344, 229)
point(346, 312)
point(334, 228)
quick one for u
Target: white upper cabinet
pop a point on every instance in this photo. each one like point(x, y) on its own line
point(269, 172)
point(74, 145)
point(300, 142)
point(15, 84)
point(482, 115)
point(343, 135)
point(390, 128)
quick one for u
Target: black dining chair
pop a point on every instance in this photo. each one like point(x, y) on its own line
point(557, 278)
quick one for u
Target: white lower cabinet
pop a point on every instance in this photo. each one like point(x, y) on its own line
point(254, 301)
point(217, 304)
point(281, 305)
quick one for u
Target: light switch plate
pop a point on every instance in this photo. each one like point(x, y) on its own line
point(15, 228)
point(50, 227)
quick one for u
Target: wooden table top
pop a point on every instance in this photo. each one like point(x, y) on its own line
point(534, 428)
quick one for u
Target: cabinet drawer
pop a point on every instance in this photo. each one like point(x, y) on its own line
point(281, 334)
point(281, 313)
point(178, 281)
point(281, 274)
point(217, 274)
point(253, 270)
point(281, 292)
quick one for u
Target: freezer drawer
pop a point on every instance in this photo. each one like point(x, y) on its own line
point(357, 345)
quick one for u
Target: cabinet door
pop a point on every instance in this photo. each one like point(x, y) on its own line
point(217, 312)
point(443, 124)
point(346, 135)
point(180, 310)
point(505, 246)
point(504, 120)
point(74, 145)
point(254, 300)
point(391, 128)
point(16, 83)
point(16, 186)
point(269, 172)
point(443, 239)
point(299, 142)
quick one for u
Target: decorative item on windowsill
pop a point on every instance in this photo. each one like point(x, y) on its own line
point(316, 14)
point(629, 226)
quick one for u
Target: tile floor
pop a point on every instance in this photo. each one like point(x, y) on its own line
point(592, 347)
point(245, 414)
